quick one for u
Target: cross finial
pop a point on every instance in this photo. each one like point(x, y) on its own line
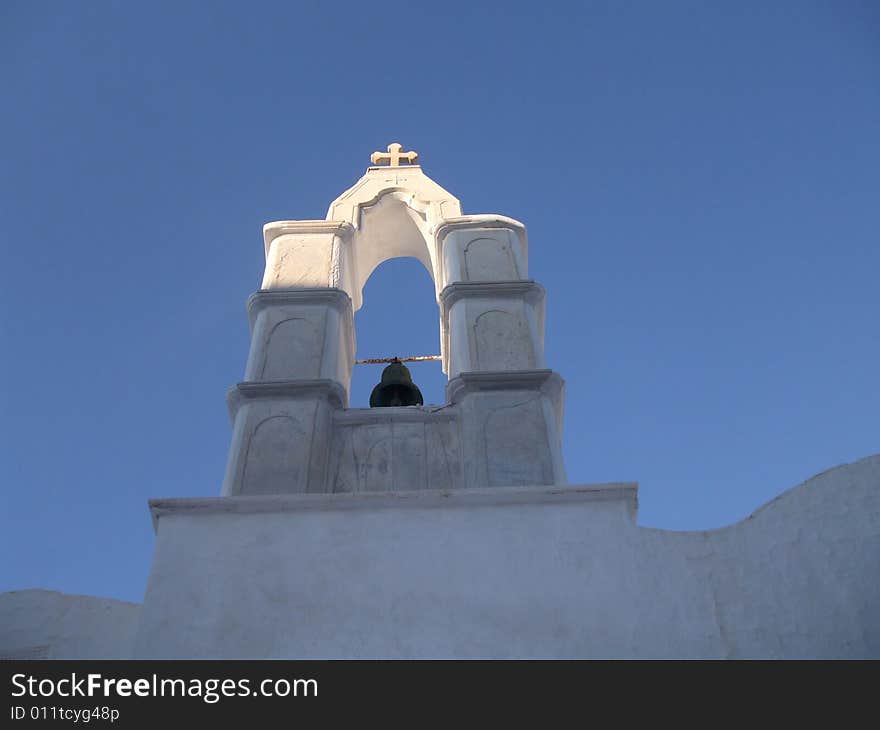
point(393, 156)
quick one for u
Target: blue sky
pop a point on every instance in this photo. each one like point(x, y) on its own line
point(699, 181)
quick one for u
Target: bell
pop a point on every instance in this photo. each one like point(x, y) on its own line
point(396, 388)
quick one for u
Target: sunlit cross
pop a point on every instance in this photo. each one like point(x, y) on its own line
point(393, 156)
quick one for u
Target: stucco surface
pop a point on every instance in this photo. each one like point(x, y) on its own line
point(530, 572)
point(39, 624)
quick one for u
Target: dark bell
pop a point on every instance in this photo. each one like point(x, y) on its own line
point(396, 388)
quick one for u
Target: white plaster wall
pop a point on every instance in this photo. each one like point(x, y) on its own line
point(492, 326)
point(482, 254)
point(307, 254)
point(390, 449)
point(301, 334)
point(287, 343)
point(279, 443)
point(511, 427)
point(39, 624)
point(535, 573)
point(299, 261)
point(453, 236)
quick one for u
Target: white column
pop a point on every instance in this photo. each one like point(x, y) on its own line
point(301, 334)
point(511, 430)
point(281, 436)
point(492, 325)
point(299, 367)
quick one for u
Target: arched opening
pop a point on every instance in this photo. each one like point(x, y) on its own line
point(390, 228)
point(399, 318)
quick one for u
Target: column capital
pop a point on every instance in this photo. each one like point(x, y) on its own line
point(464, 222)
point(546, 381)
point(263, 298)
point(275, 229)
point(451, 293)
point(324, 388)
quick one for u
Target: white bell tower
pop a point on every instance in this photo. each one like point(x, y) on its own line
point(448, 531)
point(292, 430)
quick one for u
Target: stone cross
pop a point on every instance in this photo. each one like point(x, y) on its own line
point(393, 156)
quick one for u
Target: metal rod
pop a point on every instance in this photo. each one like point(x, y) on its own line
point(380, 360)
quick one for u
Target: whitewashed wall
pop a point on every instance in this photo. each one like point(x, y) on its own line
point(548, 572)
point(542, 572)
point(38, 624)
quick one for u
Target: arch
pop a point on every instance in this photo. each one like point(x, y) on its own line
point(390, 228)
point(392, 212)
point(397, 222)
point(400, 317)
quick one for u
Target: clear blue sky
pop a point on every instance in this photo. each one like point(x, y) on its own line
point(699, 181)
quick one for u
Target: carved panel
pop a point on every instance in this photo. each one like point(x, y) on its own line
point(517, 450)
point(372, 448)
point(444, 465)
point(489, 259)
point(409, 456)
point(343, 463)
point(277, 458)
point(395, 455)
point(293, 350)
point(362, 459)
point(502, 342)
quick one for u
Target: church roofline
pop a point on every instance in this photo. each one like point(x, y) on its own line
point(419, 499)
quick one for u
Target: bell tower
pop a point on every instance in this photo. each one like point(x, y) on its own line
point(411, 531)
point(502, 421)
